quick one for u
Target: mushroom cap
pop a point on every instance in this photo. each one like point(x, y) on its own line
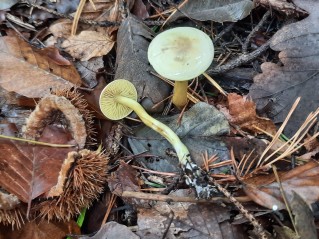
point(181, 53)
point(108, 104)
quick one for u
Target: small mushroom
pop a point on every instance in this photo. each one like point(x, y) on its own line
point(118, 100)
point(181, 54)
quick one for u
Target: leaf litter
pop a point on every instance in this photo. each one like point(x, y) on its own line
point(225, 144)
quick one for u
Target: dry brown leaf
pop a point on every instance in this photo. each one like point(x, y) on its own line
point(124, 179)
point(303, 180)
point(242, 112)
point(41, 230)
point(88, 44)
point(27, 72)
point(28, 171)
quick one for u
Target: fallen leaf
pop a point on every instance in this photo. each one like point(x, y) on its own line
point(303, 217)
point(132, 64)
point(188, 220)
point(242, 113)
point(264, 190)
point(277, 88)
point(54, 54)
point(27, 72)
point(217, 11)
point(139, 10)
point(124, 179)
point(199, 130)
point(88, 44)
point(28, 171)
point(113, 230)
point(89, 69)
point(41, 229)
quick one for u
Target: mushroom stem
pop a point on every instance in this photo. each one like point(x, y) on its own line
point(180, 148)
point(180, 94)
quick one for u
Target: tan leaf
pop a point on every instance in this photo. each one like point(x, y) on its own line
point(27, 72)
point(303, 180)
point(242, 112)
point(88, 44)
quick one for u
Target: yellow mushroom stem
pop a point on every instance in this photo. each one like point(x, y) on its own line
point(180, 148)
point(180, 94)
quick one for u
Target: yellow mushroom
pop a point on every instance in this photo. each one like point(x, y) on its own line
point(181, 54)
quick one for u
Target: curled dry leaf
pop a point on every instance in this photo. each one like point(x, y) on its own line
point(303, 180)
point(242, 112)
point(28, 72)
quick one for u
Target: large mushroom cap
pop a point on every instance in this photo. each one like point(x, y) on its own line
point(108, 104)
point(181, 53)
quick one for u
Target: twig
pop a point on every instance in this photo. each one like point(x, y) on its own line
point(242, 59)
point(37, 142)
point(171, 198)
point(253, 32)
point(258, 228)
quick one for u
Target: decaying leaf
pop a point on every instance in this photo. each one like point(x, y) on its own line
point(303, 180)
point(113, 230)
point(303, 217)
point(124, 179)
point(277, 88)
point(199, 130)
point(217, 10)
point(188, 220)
point(8, 201)
point(27, 72)
point(242, 113)
point(89, 69)
point(28, 171)
point(88, 44)
point(132, 64)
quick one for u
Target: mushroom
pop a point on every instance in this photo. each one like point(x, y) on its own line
point(118, 99)
point(181, 54)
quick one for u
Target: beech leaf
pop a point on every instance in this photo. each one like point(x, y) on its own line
point(30, 73)
point(28, 171)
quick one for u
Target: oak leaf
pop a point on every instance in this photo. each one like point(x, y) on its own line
point(30, 73)
point(242, 112)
